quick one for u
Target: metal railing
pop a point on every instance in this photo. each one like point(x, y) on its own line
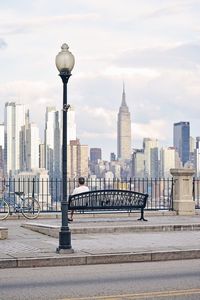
point(49, 192)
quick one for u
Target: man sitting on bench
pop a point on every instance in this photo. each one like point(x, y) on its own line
point(80, 189)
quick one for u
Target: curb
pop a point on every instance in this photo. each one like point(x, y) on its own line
point(72, 260)
point(53, 231)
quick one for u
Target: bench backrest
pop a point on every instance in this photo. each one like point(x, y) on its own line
point(108, 199)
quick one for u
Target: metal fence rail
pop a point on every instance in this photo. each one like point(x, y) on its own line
point(49, 193)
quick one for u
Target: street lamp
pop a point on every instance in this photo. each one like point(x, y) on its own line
point(64, 63)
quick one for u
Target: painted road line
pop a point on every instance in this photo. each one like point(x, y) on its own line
point(155, 294)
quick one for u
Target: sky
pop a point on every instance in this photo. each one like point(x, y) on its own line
point(151, 45)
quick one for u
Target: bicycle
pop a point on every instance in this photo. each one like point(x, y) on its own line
point(28, 206)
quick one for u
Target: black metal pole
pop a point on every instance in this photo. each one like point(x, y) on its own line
point(65, 233)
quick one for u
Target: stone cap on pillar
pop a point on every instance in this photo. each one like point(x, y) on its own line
point(182, 172)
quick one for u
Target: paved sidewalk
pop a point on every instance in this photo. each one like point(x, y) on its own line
point(118, 238)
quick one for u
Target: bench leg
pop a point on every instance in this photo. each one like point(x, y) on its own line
point(142, 216)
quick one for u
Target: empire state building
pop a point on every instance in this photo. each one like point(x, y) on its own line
point(124, 130)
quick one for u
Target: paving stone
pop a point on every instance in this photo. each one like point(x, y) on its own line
point(131, 241)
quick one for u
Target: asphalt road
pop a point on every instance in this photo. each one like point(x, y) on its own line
point(153, 280)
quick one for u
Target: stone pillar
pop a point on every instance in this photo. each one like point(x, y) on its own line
point(183, 202)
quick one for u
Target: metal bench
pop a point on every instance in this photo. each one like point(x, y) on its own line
point(108, 200)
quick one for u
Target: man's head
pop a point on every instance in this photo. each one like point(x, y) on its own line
point(81, 180)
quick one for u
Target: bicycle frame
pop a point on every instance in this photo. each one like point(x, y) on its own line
point(14, 205)
point(27, 205)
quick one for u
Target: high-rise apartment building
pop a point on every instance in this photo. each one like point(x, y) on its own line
point(124, 130)
point(52, 143)
point(1, 163)
point(2, 135)
point(71, 125)
point(115, 168)
point(167, 161)
point(95, 155)
point(150, 147)
point(42, 156)
point(192, 152)
point(112, 156)
point(1, 150)
point(32, 146)
point(192, 144)
point(14, 120)
point(29, 145)
point(138, 163)
point(197, 157)
point(77, 159)
point(182, 140)
point(23, 144)
point(154, 163)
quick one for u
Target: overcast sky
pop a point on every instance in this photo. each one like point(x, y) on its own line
point(153, 45)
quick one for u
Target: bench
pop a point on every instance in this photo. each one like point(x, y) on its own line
point(108, 200)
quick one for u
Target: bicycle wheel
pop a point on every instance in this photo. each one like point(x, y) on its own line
point(30, 208)
point(4, 209)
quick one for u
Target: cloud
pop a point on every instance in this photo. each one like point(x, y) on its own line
point(97, 135)
point(102, 119)
point(25, 25)
point(2, 44)
point(130, 72)
point(183, 56)
point(151, 45)
point(168, 10)
point(157, 129)
point(35, 95)
point(27, 91)
point(97, 127)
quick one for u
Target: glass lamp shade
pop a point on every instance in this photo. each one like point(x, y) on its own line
point(65, 59)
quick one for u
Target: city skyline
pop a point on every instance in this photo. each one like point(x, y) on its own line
point(24, 151)
point(72, 128)
point(152, 46)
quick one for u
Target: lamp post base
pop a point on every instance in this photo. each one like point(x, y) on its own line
point(64, 242)
point(64, 251)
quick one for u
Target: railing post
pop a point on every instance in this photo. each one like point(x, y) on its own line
point(183, 202)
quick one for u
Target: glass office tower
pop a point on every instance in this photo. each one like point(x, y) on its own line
point(182, 140)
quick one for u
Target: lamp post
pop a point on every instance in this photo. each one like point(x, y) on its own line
point(64, 63)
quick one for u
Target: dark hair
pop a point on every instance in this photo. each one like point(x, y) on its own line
point(81, 180)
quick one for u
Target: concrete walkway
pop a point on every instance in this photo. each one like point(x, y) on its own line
point(116, 238)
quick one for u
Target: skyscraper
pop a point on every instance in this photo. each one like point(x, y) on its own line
point(52, 142)
point(124, 130)
point(32, 146)
point(42, 156)
point(182, 140)
point(2, 135)
point(138, 166)
point(197, 157)
point(71, 125)
point(95, 154)
point(1, 149)
point(23, 144)
point(151, 157)
point(14, 120)
point(167, 161)
point(77, 159)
